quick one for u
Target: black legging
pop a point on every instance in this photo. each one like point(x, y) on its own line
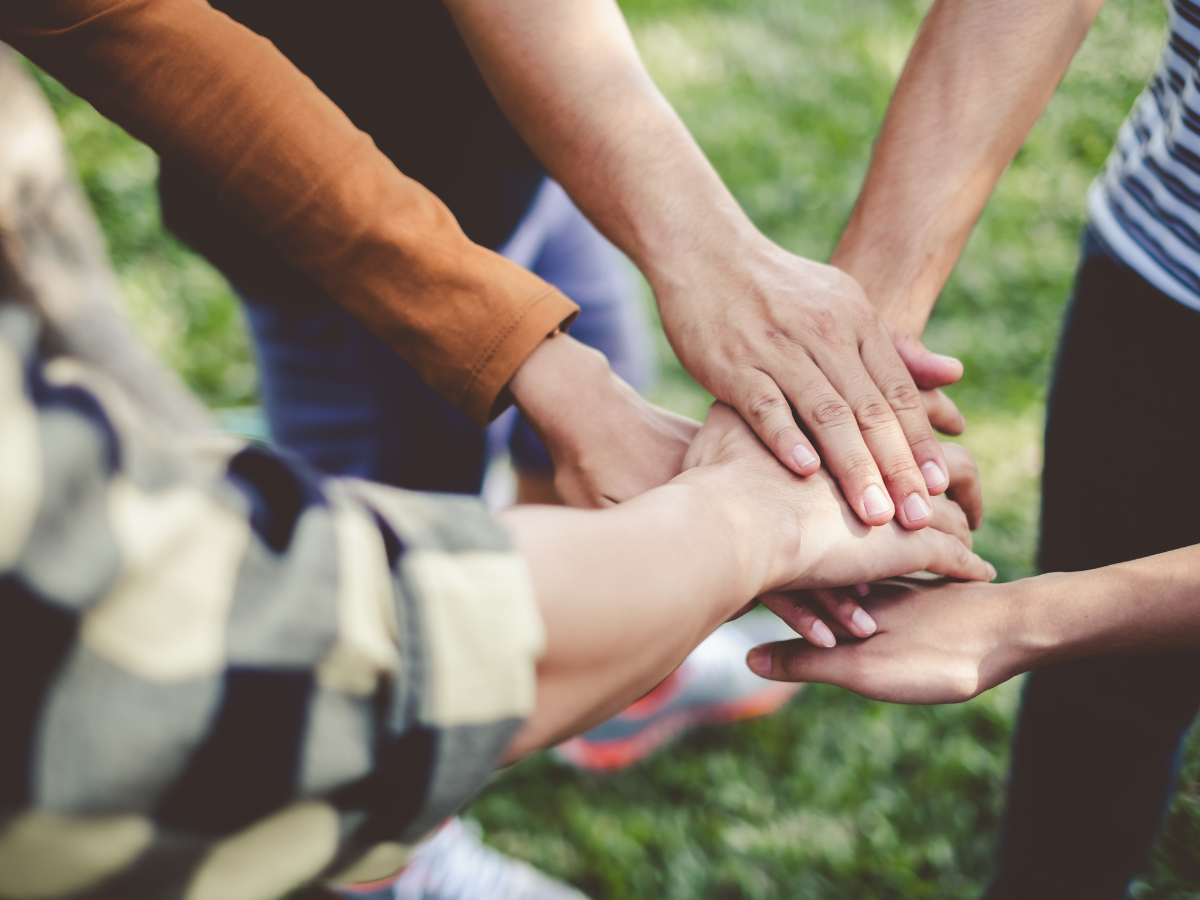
point(1097, 741)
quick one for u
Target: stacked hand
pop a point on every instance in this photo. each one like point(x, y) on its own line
point(815, 540)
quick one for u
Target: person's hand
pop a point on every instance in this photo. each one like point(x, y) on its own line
point(820, 615)
point(816, 540)
point(770, 333)
point(607, 443)
point(937, 642)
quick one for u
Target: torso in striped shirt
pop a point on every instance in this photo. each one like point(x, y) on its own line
point(1146, 204)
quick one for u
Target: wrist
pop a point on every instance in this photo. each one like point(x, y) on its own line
point(561, 377)
point(760, 534)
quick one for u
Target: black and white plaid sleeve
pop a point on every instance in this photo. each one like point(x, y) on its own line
point(222, 676)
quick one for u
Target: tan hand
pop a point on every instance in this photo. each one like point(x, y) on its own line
point(607, 443)
point(936, 643)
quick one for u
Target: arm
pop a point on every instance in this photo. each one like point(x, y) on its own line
point(950, 642)
point(329, 660)
point(200, 88)
point(758, 327)
point(977, 78)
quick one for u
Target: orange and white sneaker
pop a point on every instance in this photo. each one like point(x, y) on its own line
point(712, 685)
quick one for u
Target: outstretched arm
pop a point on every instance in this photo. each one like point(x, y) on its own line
point(977, 79)
point(947, 643)
point(758, 327)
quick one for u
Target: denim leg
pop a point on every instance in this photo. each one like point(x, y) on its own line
point(340, 398)
point(1097, 742)
point(573, 256)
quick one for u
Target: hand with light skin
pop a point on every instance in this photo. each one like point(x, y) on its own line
point(762, 329)
point(820, 616)
point(626, 592)
point(941, 642)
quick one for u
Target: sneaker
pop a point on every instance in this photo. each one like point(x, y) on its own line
point(713, 685)
point(455, 864)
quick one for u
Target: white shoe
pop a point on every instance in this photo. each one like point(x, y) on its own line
point(456, 865)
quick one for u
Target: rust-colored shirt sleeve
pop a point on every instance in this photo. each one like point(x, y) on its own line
point(205, 91)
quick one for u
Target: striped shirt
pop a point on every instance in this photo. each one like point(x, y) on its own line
point(1146, 204)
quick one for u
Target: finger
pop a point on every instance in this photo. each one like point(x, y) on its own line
point(884, 437)
point(929, 370)
point(843, 608)
point(949, 556)
point(764, 407)
point(832, 423)
point(800, 615)
point(800, 661)
point(966, 488)
point(888, 372)
point(943, 414)
point(949, 517)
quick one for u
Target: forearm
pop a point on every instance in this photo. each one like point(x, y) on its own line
point(978, 76)
point(626, 593)
point(1147, 605)
point(569, 77)
point(225, 104)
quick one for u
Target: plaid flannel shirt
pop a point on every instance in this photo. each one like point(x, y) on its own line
point(222, 675)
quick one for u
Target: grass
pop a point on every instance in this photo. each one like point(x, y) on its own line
point(835, 797)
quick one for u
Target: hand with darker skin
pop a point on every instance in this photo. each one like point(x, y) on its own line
point(944, 642)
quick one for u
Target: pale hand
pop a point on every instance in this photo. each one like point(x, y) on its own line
point(816, 540)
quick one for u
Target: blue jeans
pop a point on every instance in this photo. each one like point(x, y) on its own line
point(340, 398)
point(1098, 741)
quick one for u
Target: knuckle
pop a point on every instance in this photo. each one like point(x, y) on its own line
point(902, 395)
point(831, 411)
point(761, 404)
point(874, 413)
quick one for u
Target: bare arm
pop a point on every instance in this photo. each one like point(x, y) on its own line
point(759, 327)
point(948, 643)
point(978, 77)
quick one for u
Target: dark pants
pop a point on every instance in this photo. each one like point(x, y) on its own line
point(1098, 741)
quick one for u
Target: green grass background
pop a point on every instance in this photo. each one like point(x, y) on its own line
point(835, 797)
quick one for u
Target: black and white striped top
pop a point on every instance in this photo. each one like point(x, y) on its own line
point(1146, 204)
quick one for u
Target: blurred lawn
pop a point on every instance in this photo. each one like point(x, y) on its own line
point(835, 797)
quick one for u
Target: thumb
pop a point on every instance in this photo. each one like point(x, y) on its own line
point(928, 369)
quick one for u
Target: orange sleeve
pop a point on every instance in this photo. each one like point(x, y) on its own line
point(205, 91)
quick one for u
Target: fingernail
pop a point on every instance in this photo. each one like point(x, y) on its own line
point(823, 635)
point(803, 456)
point(934, 476)
point(915, 508)
point(759, 661)
point(991, 572)
point(862, 589)
point(863, 622)
point(875, 501)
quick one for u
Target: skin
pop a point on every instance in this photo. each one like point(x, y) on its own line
point(627, 592)
point(945, 643)
point(763, 330)
point(979, 75)
point(607, 443)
